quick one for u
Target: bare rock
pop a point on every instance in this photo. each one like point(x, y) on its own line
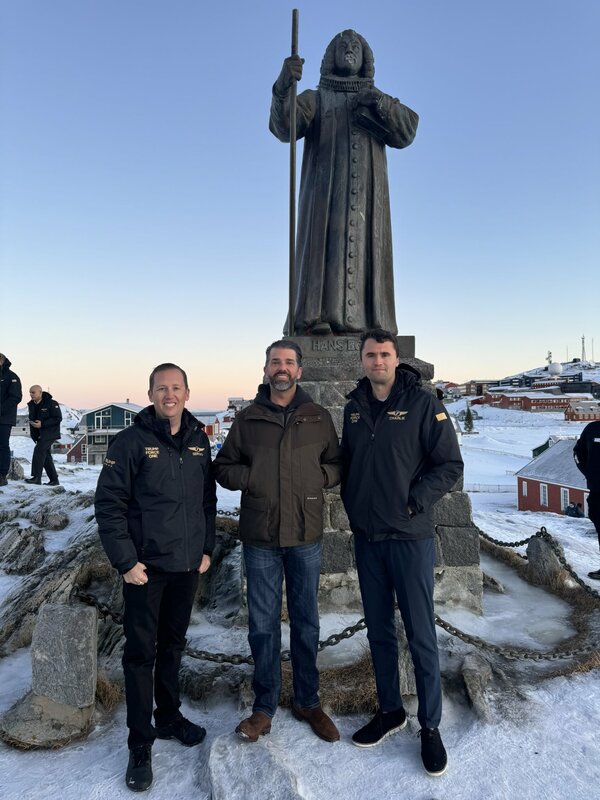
point(37, 721)
point(22, 549)
point(477, 673)
point(543, 566)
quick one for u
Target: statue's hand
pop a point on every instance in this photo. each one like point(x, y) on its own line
point(290, 71)
point(368, 97)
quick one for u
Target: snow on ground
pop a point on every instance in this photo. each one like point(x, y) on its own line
point(544, 745)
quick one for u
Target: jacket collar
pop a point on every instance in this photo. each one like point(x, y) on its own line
point(263, 398)
point(406, 377)
point(147, 419)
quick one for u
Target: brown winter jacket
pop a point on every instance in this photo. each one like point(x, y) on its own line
point(280, 462)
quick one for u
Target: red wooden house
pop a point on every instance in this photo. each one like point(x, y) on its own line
point(551, 481)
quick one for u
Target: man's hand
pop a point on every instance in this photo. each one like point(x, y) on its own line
point(204, 564)
point(290, 71)
point(368, 97)
point(35, 423)
point(136, 575)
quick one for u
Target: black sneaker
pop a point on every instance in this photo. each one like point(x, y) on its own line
point(595, 575)
point(53, 483)
point(3, 481)
point(37, 481)
point(183, 730)
point(433, 753)
point(139, 769)
point(383, 724)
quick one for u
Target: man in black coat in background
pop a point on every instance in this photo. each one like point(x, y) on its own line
point(10, 397)
point(587, 457)
point(44, 421)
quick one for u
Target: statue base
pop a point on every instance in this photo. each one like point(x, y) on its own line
point(337, 358)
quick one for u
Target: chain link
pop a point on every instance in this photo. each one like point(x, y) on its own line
point(507, 652)
point(234, 513)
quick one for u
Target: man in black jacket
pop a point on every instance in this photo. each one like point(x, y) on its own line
point(281, 452)
point(44, 423)
point(587, 457)
point(400, 456)
point(10, 397)
point(156, 509)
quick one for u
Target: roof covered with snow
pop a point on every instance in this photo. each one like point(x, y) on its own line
point(556, 465)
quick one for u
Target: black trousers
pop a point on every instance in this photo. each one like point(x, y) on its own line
point(594, 510)
point(156, 619)
point(5, 449)
point(401, 571)
point(43, 460)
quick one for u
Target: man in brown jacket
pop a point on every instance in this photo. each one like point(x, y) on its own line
point(281, 452)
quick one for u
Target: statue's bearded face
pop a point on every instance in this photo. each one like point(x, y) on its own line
point(348, 55)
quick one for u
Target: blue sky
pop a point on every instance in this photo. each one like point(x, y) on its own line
point(143, 201)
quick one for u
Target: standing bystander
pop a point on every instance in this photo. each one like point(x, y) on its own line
point(10, 397)
point(587, 457)
point(44, 422)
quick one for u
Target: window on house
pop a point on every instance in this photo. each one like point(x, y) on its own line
point(543, 494)
point(128, 419)
point(102, 418)
point(524, 488)
point(564, 498)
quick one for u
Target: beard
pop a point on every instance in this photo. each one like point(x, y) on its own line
point(281, 383)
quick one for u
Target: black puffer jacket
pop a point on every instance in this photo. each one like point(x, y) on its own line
point(10, 394)
point(587, 455)
point(408, 457)
point(155, 501)
point(48, 412)
point(281, 462)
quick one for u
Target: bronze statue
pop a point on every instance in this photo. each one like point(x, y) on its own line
point(344, 274)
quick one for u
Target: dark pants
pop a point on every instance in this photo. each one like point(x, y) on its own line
point(594, 510)
point(401, 571)
point(156, 618)
point(5, 449)
point(265, 568)
point(43, 460)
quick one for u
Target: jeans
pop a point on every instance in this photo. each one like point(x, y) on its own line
point(155, 622)
point(265, 569)
point(401, 570)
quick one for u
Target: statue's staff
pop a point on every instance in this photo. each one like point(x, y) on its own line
point(291, 325)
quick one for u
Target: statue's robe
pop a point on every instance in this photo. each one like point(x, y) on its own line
point(344, 272)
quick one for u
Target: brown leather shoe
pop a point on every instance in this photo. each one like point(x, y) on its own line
point(251, 728)
point(318, 720)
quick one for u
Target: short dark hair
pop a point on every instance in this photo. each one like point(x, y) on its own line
point(285, 344)
point(162, 368)
point(380, 336)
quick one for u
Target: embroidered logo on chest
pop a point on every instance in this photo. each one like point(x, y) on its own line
point(196, 451)
point(151, 452)
point(354, 417)
point(396, 416)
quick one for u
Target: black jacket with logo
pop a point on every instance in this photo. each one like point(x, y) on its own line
point(10, 394)
point(281, 461)
point(48, 412)
point(587, 455)
point(156, 497)
point(407, 458)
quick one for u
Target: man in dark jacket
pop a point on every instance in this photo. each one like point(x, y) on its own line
point(156, 509)
point(587, 457)
point(400, 456)
point(10, 397)
point(281, 452)
point(44, 422)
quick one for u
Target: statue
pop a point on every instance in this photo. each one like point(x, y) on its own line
point(344, 275)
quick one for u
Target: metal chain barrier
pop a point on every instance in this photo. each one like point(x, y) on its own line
point(507, 652)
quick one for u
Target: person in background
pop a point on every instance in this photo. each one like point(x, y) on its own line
point(587, 457)
point(10, 397)
point(44, 421)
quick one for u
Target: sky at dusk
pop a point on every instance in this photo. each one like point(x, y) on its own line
point(143, 200)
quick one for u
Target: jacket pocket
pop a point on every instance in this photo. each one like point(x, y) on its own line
point(254, 518)
point(313, 515)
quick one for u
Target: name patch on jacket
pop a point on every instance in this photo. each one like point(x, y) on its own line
point(441, 416)
point(151, 452)
point(108, 462)
point(354, 417)
point(397, 416)
point(196, 451)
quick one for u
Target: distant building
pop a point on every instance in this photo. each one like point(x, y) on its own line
point(101, 425)
point(551, 481)
point(476, 387)
point(512, 398)
point(211, 422)
point(582, 411)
